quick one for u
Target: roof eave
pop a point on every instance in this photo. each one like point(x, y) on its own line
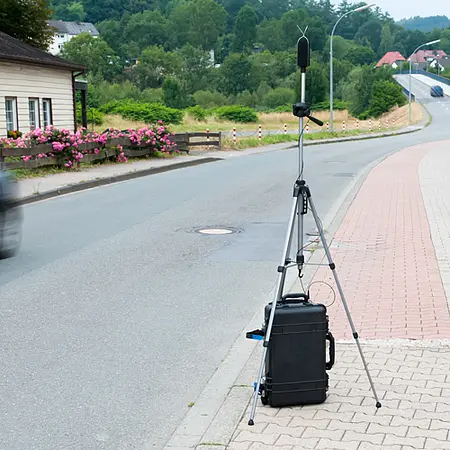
point(56, 65)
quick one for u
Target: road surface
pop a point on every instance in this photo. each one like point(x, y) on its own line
point(116, 313)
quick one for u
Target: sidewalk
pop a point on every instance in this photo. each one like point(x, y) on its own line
point(392, 252)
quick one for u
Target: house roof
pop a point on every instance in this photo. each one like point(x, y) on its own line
point(423, 55)
point(14, 50)
point(74, 28)
point(390, 57)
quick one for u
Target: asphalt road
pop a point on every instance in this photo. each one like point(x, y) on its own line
point(116, 313)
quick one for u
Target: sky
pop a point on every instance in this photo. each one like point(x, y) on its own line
point(400, 9)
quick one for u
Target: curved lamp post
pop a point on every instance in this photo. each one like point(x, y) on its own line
point(410, 75)
point(361, 8)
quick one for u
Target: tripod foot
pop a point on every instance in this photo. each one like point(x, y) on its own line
point(378, 405)
point(251, 423)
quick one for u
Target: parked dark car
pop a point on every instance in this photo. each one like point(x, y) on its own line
point(10, 216)
point(437, 91)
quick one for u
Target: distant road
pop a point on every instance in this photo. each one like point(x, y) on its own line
point(116, 313)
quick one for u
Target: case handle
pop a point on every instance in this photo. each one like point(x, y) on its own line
point(298, 297)
point(330, 363)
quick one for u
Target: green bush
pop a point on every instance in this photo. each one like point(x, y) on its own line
point(278, 97)
point(93, 115)
point(209, 99)
point(236, 114)
point(143, 112)
point(197, 113)
point(384, 96)
point(283, 108)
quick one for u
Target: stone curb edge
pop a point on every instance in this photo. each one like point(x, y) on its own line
point(76, 187)
point(361, 138)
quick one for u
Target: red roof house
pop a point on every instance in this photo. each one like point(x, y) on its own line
point(393, 59)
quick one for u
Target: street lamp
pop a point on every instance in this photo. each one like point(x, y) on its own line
point(361, 8)
point(410, 74)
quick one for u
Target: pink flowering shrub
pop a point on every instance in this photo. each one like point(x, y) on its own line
point(68, 149)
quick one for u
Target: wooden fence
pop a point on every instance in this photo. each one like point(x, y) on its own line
point(183, 141)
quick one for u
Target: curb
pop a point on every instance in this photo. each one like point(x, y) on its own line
point(110, 180)
point(362, 137)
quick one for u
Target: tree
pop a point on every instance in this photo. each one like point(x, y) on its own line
point(154, 66)
point(341, 47)
point(387, 40)
point(73, 12)
point(317, 82)
point(270, 34)
point(95, 54)
point(173, 93)
point(26, 20)
point(146, 28)
point(369, 34)
point(198, 22)
point(111, 33)
point(236, 74)
point(195, 68)
point(360, 55)
point(289, 23)
point(244, 30)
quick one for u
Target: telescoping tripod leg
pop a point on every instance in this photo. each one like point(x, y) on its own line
point(341, 292)
point(278, 294)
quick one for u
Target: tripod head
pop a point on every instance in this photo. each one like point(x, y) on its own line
point(302, 109)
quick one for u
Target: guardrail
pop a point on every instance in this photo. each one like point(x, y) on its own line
point(183, 142)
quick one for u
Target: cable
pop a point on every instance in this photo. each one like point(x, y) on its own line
point(329, 285)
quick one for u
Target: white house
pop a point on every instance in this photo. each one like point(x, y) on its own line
point(36, 88)
point(65, 31)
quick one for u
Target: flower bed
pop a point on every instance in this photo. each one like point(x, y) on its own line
point(68, 149)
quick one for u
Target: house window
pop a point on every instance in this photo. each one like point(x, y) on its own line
point(33, 107)
point(47, 111)
point(11, 114)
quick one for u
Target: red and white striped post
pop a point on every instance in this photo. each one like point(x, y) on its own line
point(387, 122)
point(343, 126)
point(328, 126)
point(234, 136)
point(285, 129)
point(357, 125)
point(370, 124)
point(307, 128)
point(207, 134)
point(259, 133)
point(379, 124)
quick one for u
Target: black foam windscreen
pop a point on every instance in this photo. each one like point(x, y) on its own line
point(303, 52)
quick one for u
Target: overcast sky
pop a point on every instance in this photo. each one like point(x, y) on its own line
point(400, 9)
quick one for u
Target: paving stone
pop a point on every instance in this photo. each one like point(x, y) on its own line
point(316, 433)
point(265, 438)
point(239, 445)
point(436, 444)
point(420, 432)
point(259, 446)
point(417, 442)
point(291, 430)
point(316, 423)
point(307, 443)
point(369, 446)
point(325, 443)
point(350, 436)
point(394, 430)
point(423, 423)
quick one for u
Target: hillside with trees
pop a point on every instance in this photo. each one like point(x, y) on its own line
point(425, 24)
point(212, 53)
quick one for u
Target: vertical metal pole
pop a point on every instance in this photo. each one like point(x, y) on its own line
point(331, 82)
point(409, 95)
point(300, 167)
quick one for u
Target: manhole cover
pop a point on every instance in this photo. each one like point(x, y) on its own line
point(215, 231)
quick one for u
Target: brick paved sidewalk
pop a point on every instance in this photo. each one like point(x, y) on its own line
point(393, 282)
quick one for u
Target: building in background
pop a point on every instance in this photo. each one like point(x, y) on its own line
point(393, 59)
point(37, 89)
point(65, 31)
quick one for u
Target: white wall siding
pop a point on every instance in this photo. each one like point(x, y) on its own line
point(26, 81)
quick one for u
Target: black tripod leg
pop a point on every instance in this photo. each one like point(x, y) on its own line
point(341, 294)
point(278, 293)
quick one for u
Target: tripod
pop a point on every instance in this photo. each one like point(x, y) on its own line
point(302, 200)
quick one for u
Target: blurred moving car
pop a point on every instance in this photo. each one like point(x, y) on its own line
point(437, 91)
point(10, 216)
